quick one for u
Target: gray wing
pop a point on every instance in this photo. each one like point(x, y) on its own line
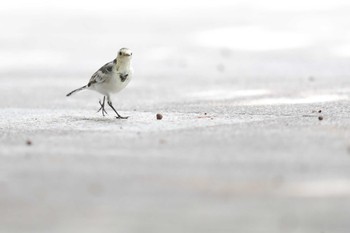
point(102, 74)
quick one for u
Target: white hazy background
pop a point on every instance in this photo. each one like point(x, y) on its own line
point(66, 37)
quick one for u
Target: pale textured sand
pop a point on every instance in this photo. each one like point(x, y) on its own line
point(239, 149)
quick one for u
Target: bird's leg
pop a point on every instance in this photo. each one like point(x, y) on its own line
point(102, 108)
point(118, 116)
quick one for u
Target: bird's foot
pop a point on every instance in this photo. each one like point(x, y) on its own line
point(121, 117)
point(118, 115)
point(102, 108)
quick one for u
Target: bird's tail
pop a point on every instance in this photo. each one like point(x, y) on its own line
point(76, 90)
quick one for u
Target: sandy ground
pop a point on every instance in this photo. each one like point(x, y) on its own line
point(251, 140)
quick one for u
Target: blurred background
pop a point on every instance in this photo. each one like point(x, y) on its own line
point(255, 135)
point(61, 43)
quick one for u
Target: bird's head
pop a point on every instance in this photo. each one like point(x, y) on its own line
point(124, 53)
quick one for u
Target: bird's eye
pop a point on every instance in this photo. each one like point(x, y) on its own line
point(120, 53)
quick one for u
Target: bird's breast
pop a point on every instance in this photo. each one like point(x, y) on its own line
point(119, 81)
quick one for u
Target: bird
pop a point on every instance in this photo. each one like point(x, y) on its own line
point(111, 78)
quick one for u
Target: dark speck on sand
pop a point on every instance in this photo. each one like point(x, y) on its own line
point(159, 116)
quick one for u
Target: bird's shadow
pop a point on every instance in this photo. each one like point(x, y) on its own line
point(98, 119)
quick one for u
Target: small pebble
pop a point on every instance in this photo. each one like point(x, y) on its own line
point(29, 142)
point(319, 111)
point(159, 116)
point(320, 118)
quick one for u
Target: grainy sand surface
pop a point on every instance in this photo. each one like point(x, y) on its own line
point(240, 147)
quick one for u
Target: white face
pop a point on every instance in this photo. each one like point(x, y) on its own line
point(125, 53)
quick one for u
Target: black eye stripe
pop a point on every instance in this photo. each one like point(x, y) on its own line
point(121, 53)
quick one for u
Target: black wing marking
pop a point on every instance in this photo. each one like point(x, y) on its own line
point(102, 74)
point(107, 68)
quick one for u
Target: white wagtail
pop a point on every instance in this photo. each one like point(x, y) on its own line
point(111, 78)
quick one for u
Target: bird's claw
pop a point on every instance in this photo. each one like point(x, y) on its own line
point(121, 117)
point(102, 108)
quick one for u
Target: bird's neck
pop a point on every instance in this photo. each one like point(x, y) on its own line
point(123, 65)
